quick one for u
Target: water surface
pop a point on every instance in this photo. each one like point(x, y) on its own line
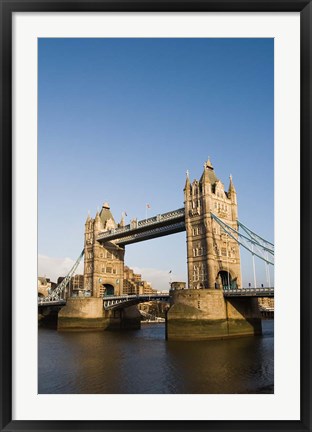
point(142, 361)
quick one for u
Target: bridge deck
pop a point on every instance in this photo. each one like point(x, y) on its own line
point(119, 302)
point(123, 300)
point(249, 292)
point(51, 303)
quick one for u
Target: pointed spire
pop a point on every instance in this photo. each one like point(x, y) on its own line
point(88, 217)
point(122, 220)
point(231, 186)
point(208, 163)
point(187, 181)
point(231, 189)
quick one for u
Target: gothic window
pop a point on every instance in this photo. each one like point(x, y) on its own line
point(108, 269)
point(195, 273)
point(201, 278)
point(114, 271)
point(195, 230)
point(223, 251)
point(204, 273)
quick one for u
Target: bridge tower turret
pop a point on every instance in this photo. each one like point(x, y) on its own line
point(103, 263)
point(213, 258)
point(88, 255)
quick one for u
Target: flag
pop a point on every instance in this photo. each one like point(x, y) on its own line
point(148, 206)
point(125, 213)
point(170, 271)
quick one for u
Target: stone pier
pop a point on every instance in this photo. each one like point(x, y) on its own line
point(89, 314)
point(202, 314)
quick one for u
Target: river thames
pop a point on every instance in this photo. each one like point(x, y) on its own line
point(143, 362)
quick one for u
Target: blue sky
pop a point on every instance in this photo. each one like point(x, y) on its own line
point(121, 120)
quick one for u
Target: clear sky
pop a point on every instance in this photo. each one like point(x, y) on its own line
point(121, 120)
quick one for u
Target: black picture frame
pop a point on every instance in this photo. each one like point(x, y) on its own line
point(8, 7)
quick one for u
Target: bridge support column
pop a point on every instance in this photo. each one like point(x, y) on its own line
point(202, 314)
point(82, 313)
point(89, 314)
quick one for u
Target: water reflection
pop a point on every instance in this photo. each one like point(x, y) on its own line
point(142, 361)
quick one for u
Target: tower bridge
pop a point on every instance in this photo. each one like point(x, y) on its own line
point(215, 299)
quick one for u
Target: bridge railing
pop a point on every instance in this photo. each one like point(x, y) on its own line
point(248, 291)
point(135, 296)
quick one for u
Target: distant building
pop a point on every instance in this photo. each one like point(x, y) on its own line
point(266, 303)
point(133, 283)
point(76, 285)
point(45, 286)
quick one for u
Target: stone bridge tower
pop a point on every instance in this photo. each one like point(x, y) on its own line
point(103, 265)
point(213, 258)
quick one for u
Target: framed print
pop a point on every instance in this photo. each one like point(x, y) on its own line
point(170, 295)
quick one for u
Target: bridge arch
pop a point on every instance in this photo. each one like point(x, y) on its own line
point(225, 280)
point(108, 289)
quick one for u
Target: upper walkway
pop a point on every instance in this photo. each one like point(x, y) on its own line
point(157, 226)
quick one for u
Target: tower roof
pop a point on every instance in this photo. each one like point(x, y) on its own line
point(105, 214)
point(209, 173)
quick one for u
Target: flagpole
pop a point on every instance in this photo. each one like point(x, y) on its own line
point(147, 206)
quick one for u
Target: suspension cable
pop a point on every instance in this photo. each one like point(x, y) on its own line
point(253, 234)
point(55, 294)
point(238, 237)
